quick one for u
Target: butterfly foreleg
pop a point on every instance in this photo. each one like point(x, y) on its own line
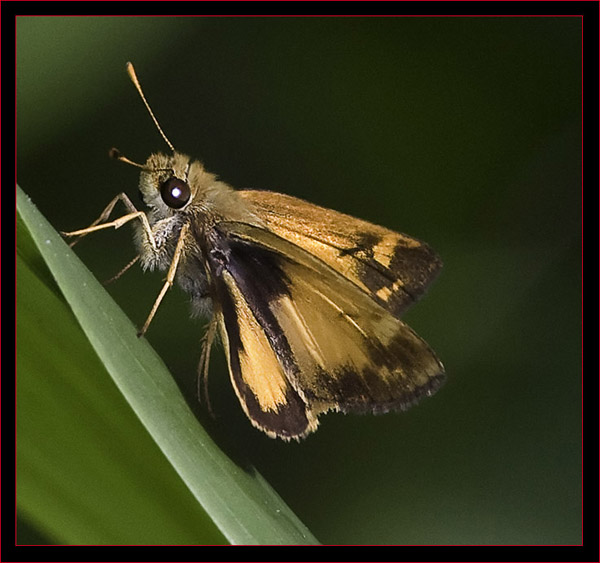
point(102, 223)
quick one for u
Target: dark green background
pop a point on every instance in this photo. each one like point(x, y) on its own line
point(465, 132)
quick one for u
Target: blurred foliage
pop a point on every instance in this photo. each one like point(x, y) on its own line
point(464, 132)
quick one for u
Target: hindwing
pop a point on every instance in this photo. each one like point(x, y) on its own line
point(302, 339)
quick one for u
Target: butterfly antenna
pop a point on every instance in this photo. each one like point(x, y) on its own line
point(136, 82)
point(116, 154)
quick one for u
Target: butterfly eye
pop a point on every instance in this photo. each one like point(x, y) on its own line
point(175, 193)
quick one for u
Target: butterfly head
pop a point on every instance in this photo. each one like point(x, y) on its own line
point(165, 183)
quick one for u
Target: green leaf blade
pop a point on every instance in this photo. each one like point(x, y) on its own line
point(241, 504)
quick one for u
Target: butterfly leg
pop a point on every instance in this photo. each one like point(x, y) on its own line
point(100, 222)
point(207, 342)
point(122, 271)
point(170, 276)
